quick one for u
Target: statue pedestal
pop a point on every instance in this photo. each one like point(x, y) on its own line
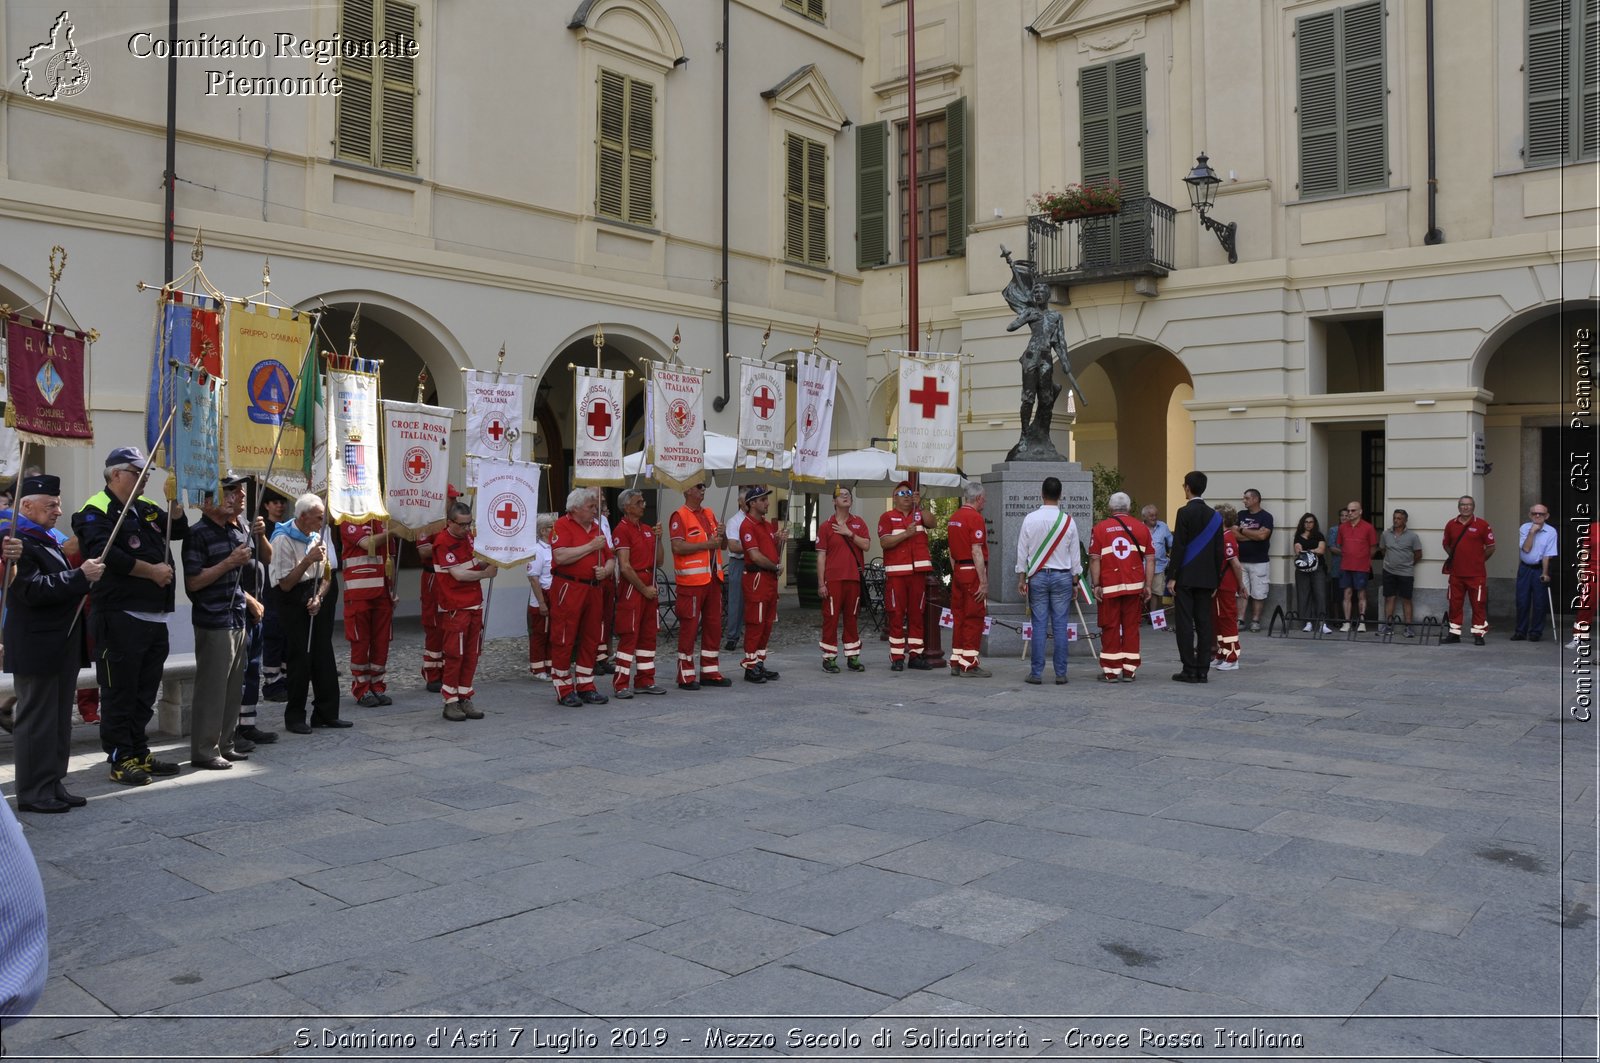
point(1013, 492)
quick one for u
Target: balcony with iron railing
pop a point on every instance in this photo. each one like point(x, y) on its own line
point(1137, 241)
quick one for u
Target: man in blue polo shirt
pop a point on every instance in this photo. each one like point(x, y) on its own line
point(1537, 551)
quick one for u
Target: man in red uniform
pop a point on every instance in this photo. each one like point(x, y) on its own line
point(580, 561)
point(1122, 571)
point(366, 552)
point(1225, 603)
point(841, 551)
point(1468, 545)
point(460, 603)
point(638, 554)
point(906, 563)
point(969, 585)
point(432, 633)
point(697, 543)
point(763, 566)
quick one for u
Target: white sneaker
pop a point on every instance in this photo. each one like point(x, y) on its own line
point(1326, 630)
point(1306, 628)
point(1226, 666)
point(1345, 626)
point(1571, 645)
point(1361, 629)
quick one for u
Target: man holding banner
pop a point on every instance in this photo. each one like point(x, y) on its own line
point(638, 554)
point(460, 603)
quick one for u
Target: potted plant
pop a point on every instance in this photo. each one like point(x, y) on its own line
point(1079, 201)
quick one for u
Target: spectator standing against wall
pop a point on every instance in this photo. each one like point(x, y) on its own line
point(1255, 553)
point(1401, 549)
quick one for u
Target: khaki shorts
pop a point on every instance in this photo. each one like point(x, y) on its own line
point(1257, 580)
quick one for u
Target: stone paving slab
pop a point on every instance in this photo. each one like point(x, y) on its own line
point(1340, 828)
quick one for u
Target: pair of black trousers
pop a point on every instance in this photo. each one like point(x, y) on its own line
point(43, 735)
point(129, 657)
point(308, 655)
point(1196, 628)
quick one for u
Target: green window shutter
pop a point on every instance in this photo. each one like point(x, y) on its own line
point(872, 194)
point(1317, 64)
point(354, 110)
point(1365, 94)
point(817, 9)
point(794, 212)
point(956, 176)
point(1589, 82)
point(1112, 123)
point(1548, 64)
point(641, 152)
point(611, 148)
point(399, 100)
point(1094, 120)
point(816, 203)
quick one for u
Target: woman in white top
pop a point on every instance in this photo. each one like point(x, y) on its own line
point(539, 577)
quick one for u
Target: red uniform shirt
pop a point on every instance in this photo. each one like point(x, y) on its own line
point(1230, 550)
point(1464, 545)
point(1121, 548)
point(451, 593)
point(640, 542)
point(365, 575)
point(1356, 543)
point(965, 531)
point(844, 557)
point(902, 557)
point(758, 534)
point(568, 533)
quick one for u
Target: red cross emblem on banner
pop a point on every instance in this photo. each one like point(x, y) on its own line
point(599, 420)
point(418, 465)
point(507, 514)
point(764, 402)
point(495, 430)
point(929, 397)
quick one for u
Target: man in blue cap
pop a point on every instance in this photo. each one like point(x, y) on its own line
point(44, 646)
point(132, 602)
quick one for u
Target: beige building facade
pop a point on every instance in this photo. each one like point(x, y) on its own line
point(530, 172)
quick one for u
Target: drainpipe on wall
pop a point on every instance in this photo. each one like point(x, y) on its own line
point(1434, 234)
point(170, 178)
point(721, 401)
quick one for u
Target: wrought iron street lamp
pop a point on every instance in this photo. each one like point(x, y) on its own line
point(1203, 182)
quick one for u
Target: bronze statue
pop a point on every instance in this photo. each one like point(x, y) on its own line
point(1029, 297)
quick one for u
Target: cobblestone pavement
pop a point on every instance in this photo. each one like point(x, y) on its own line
point(1343, 849)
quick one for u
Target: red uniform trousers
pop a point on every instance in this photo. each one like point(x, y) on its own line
point(844, 600)
point(1476, 588)
point(432, 631)
point(968, 612)
point(699, 607)
point(1225, 624)
point(461, 632)
point(760, 610)
point(637, 627)
point(538, 641)
point(1119, 618)
point(574, 633)
point(608, 614)
point(367, 629)
point(905, 598)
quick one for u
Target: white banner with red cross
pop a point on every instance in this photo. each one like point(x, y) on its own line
point(763, 409)
point(678, 427)
point(494, 417)
point(597, 450)
point(815, 384)
point(928, 436)
point(416, 466)
point(506, 509)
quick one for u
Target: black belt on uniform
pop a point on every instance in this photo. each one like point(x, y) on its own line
point(574, 579)
point(964, 563)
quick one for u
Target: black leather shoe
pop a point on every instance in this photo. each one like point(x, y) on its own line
point(592, 697)
point(69, 799)
point(48, 808)
point(920, 664)
point(384, 699)
point(332, 723)
point(897, 665)
point(297, 728)
point(242, 745)
point(1477, 640)
point(716, 681)
point(233, 755)
point(1519, 638)
point(435, 685)
point(1450, 640)
point(690, 685)
point(1182, 677)
point(213, 763)
point(571, 701)
point(257, 735)
point(753, 676)
point(767, 673)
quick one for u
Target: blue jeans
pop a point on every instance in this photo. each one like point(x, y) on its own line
point(1532, 602)
point(1050, 598)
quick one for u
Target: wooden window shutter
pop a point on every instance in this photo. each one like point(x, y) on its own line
point(872, 194)
point(611, 148)
point(817, 9)
point(1094, 122)
point(816, 203)
point(956, 176)
point(354, 110)
point(794, 213)
point(1364, 91)
point(641, 152)
point(1111, 109)
point(1589, 82)
point(398, 106)
point(1547, 71)
point(1318, 71)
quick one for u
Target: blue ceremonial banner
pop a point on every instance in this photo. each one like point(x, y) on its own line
point(196, 435)
point(189, 332)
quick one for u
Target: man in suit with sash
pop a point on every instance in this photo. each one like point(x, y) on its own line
point(1194, 569)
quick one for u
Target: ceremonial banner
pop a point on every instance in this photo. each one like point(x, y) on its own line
point(679, 427)
point(597, 454)
point(48, 398)
point(355, 492)
point(763, 394)
point(813, 431)
point(266, 352)
point(494, 417)
point(416, 466)
point(189, 332)
point(506, 509)
point(196, 450)
point(928, 436)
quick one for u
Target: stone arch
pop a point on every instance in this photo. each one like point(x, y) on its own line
point(402, 334)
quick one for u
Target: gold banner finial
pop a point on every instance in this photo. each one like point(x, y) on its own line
point(422, 384)
point(500, 359)
point(266, 274)
point(677, 339)
point(765, 336)
point(198, 251)
point(816, 336)
point(58, 263)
